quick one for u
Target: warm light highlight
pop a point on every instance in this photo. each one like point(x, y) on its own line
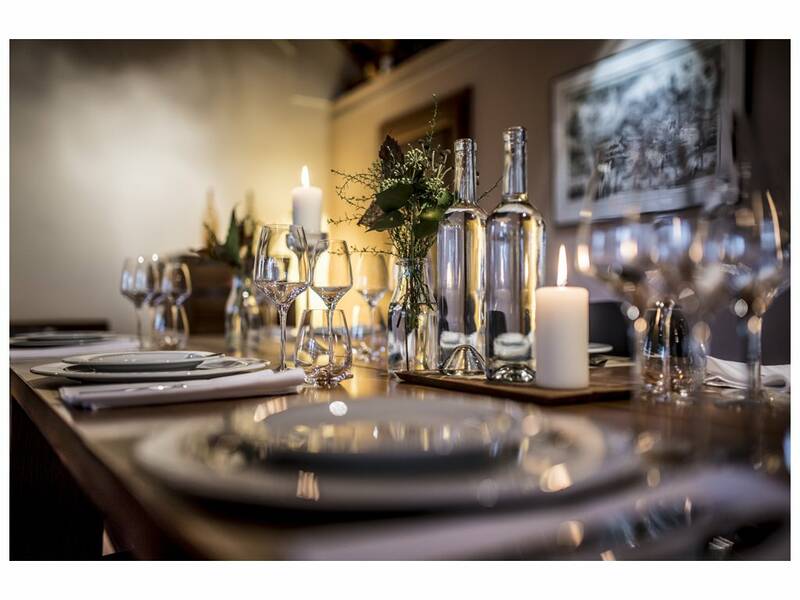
point(561, 279)
point(304, 178)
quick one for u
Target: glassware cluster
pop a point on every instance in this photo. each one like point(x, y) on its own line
point(158, 290)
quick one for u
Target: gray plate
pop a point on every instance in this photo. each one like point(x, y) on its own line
point(215, 367)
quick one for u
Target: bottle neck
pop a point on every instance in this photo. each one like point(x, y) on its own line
point(464, 172)
point(515, 166)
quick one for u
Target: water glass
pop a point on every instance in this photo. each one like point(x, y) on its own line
point(169, 329)
point(140, 283)
point(323, 349)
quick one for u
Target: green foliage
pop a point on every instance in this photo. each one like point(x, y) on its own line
point(237, 249)
point(404, 193)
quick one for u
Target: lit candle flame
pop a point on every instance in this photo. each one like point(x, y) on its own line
point(304, 178)
point(561, 279)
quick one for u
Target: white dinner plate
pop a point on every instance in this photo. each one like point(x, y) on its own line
point(596, 348)
point(214, 367)
point(46, 339)
point(157, 360)
point(568, 455)
point(401, 433)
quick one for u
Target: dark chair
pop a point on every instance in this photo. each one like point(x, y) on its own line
point(607, 325)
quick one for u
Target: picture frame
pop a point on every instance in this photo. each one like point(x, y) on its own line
point(666, 104)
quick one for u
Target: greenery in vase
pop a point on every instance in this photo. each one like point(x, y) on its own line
point(406, 196)
point(237, 249)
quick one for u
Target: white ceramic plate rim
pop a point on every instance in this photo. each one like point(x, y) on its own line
point(62, 369)
point(128, 360)
point(603, 461)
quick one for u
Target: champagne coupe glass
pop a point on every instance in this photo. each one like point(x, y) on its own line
point(331, 277)
point(140, 283)
point(281, 270)
point(372, 282)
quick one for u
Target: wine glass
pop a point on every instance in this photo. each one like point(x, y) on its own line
point(331, 276)
point(176, 283)
point(754, 252)
point(281, 270)
point(140, 283)
point(372, 282)
point(619, 253)
point(171, 327)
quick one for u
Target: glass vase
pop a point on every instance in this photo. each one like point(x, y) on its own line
point(413, 319)
point(243, 321)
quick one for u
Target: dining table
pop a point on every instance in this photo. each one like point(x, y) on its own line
point(75, 481)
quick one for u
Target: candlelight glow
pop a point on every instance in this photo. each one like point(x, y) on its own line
point(561, 279)
point(304, 178)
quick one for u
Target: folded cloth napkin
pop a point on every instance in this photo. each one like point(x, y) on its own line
point(260, 383)
point(727, 373)
point(120, 344)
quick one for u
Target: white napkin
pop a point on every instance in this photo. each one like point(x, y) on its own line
point(727, 373)
point(260, 383)
point(120, 344)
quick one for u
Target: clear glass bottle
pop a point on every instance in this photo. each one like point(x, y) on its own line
point(461, 273)
point(515, 245)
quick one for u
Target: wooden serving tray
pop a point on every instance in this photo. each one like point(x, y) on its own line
point(605, 383)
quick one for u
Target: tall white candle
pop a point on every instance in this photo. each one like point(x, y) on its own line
point(562, 333)
point(307, 204)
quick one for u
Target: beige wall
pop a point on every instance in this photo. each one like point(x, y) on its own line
point(114, 146)
point(510, 83)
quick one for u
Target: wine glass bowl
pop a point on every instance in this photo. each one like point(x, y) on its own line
point(281, 271)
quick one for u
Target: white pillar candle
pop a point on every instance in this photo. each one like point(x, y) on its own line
point(307, 205)
point(562, 333)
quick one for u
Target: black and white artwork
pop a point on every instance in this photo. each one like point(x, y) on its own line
point(657, 113)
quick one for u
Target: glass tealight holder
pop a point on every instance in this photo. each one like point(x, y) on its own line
point(314, 335)
point(169, 328)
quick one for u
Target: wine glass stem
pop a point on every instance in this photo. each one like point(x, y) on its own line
point(138, 312)
point(637, 331)
point(753, 325)
point(376, 329)
point(282, 310)
point(666, 366)
point(330, 340)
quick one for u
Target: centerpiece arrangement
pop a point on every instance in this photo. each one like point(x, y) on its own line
point(405, 194)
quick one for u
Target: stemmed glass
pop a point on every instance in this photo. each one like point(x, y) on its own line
point(140, 283)
point(332, 277)
point(281, 270)
point(176, 287)
point(754, 252)
point(619, 253)
point(372, 282)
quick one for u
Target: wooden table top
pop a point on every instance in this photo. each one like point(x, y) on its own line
point(154, 522)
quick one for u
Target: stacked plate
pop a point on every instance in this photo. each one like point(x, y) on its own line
point(54, 339)
point(116, 367)
point(401, 454)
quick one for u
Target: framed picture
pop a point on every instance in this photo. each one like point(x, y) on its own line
point(662, 110)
